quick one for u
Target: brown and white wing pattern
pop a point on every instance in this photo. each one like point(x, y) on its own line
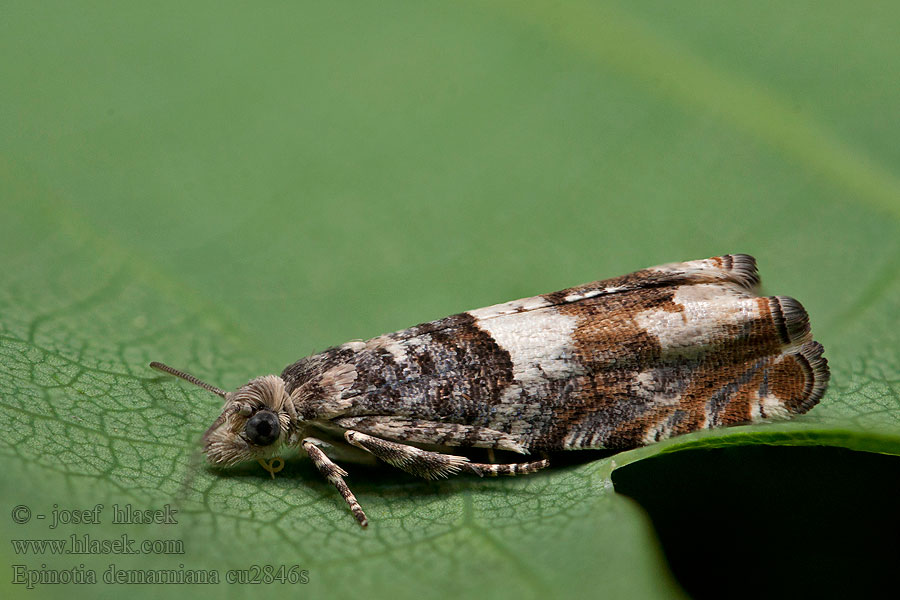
point(611, 364)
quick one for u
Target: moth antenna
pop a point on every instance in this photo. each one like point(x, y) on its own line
point(187, 377)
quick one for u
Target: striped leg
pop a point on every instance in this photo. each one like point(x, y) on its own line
point(433, 465)
point(491, 470)
point(335, 475)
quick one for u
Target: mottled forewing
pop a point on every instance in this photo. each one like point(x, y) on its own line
point(615, 363)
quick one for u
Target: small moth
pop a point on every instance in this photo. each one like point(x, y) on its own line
point(612, 364)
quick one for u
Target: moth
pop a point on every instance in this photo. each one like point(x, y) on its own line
point(612, 364)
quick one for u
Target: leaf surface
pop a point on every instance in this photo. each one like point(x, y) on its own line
point(227, 189)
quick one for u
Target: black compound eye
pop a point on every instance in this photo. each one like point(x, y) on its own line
point(263, 428)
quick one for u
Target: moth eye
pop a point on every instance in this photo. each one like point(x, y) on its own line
point(262, 429)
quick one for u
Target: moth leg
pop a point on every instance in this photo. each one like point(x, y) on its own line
point(419, 431)
point(335, 475)
point(343, 453)
point(492, 470)
point(430, 465)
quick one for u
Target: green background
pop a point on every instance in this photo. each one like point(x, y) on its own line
point(230, 186)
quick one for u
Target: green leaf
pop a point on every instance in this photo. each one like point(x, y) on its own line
point(227, 188)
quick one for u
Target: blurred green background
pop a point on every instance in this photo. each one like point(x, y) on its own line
point(229, 186)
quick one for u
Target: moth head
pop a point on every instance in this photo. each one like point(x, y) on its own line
point(254, 421)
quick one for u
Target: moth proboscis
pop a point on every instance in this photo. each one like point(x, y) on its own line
point(612, 364)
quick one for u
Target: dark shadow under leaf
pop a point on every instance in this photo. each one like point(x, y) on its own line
point(773, 522)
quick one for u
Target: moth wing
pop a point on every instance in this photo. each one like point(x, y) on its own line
point(734, 270)
point(615, 363)
point(737, 271)
point(663, 351)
